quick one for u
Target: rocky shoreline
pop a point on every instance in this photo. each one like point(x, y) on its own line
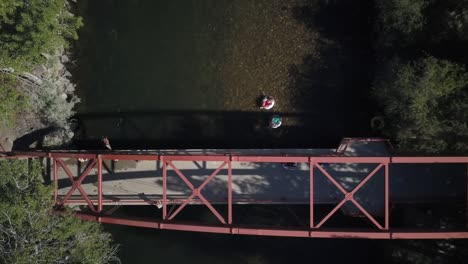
point(50, 95)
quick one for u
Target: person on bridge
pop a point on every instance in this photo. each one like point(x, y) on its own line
point(289, 165)
point(268, 102)
point(106, 142)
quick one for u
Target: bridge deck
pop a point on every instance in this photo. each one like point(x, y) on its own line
point(356, 179)
point(132, 182)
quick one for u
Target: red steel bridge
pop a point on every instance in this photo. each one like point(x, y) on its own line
point(86, 187)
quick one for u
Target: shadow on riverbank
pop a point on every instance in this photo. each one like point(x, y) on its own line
point(35, 137)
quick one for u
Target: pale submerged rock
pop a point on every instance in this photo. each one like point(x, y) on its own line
point(64, 59)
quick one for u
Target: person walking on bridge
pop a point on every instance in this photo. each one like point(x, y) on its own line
point(106, 143)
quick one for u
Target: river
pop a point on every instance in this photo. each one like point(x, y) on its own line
point(188, 74)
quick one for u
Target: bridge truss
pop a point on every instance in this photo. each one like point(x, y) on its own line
point(316, 225)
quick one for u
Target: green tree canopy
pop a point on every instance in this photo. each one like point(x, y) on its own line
point(407, 22)
point(400, 20)
point(457, 18)
point(12, 101)
point(29, 233)
point(426, 103)
point(406, 16)
point(29, 28)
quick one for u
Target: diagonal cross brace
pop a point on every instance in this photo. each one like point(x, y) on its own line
point(349, 196)
point(77, 183)
point(196, 192)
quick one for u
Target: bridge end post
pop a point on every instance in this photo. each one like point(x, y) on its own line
point(311, 193)
point(230, 190)
point(164, 216)
point(55, 178)
point(387, 200)
point(99, 172)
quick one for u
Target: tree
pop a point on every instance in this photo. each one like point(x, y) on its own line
point(428, 251)
point(457, 18)
point(29, 28)
point(400, 20)
point(404, 22)
point(29, 232)
point(12, 101)
point(426, 103)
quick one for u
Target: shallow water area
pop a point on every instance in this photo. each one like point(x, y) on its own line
point(188, 74)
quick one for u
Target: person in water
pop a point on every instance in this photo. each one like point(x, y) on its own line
point(276, 121)
point(268, 102)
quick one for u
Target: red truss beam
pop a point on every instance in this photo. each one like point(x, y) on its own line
point(349, 196)
point(316, 227)
point(196, 192)
point(282, 232)
point(76, 183)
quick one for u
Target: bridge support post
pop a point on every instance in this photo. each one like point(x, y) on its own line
point(311, 193)
point(54, 161)
point(99, 172)
point(230, 191)
point(387, 200)
point(164, 188)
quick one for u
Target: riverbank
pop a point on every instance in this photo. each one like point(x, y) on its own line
point(37, 94)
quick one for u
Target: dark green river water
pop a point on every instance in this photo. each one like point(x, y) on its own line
point(187, 74)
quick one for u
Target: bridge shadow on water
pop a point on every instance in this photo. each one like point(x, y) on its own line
point(207, 129)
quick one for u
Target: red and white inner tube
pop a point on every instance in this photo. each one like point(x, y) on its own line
point(268, 102)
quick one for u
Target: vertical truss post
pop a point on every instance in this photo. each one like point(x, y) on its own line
point(387, 202)
point(99, 172)
point(230, 191)
point(311, 193)
point(164, 188)
point(55, 179)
